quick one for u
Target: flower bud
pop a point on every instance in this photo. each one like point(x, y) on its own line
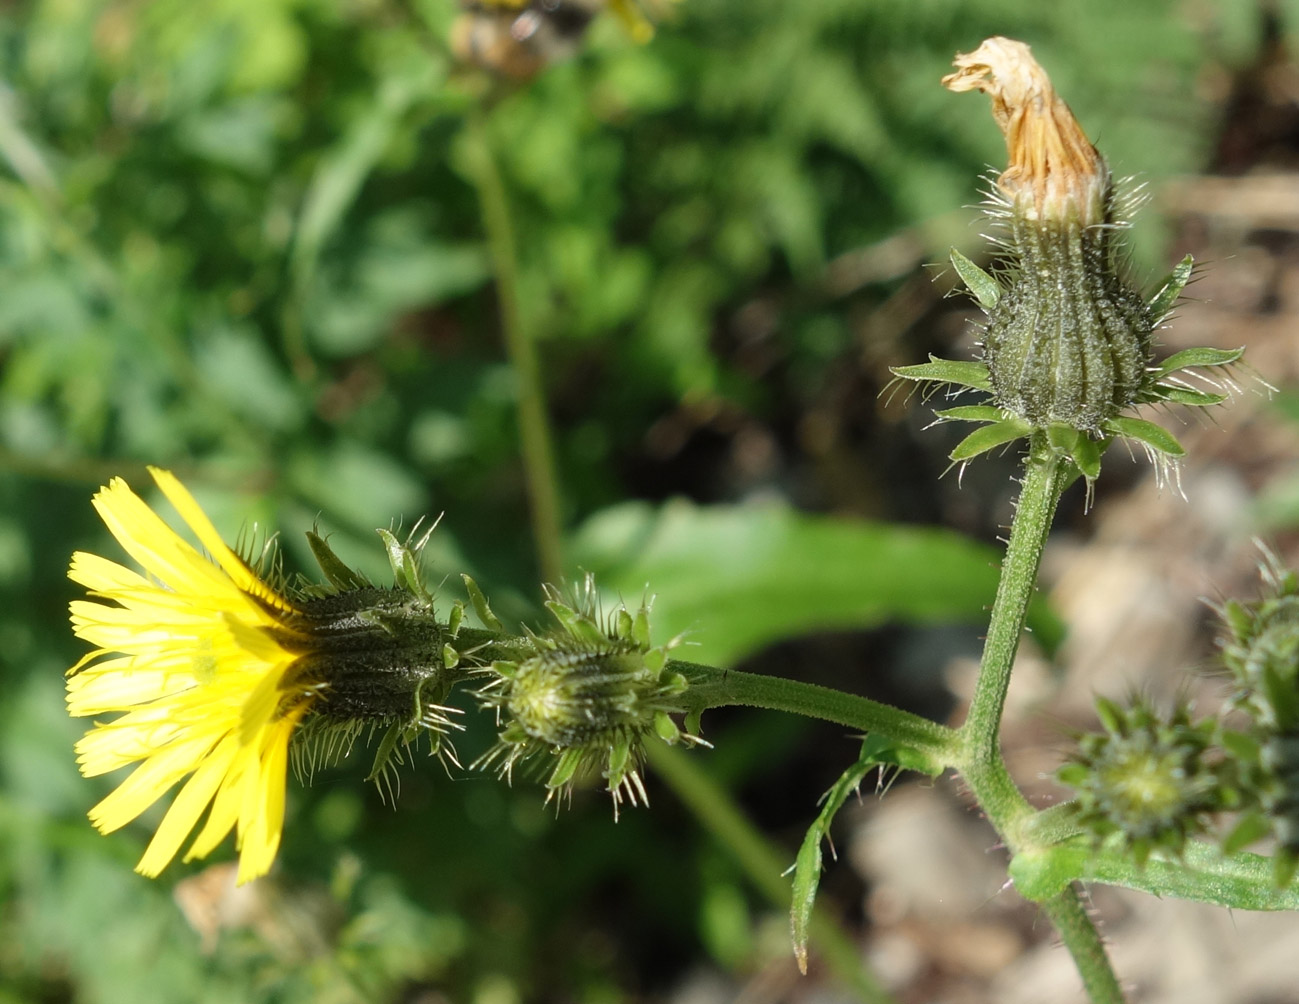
point(1146, 778)
point(587, 699)
point(1068, 339)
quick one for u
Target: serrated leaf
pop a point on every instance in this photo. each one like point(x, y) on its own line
point(1171, 288)
point(1188, 358)
point(989, 438)
point(1154, 436)
point(807, 866)
point(963, 374)
point(985, 288)
point(971, 413)
point(734, 578)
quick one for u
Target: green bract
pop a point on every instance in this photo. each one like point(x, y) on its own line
point(1067, 351)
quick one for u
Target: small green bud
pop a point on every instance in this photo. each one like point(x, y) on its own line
point(1147, 779)
point(591, 694)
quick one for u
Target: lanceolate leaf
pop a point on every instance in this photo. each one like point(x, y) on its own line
point(1185, 395)
point(807, 866)
point(1154, 436)
point(990, 437)
point(1171, 288)
point(1188, 358)
point(962, 374)
point(985, 288)
point(971, 413)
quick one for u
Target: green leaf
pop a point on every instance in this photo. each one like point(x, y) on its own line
point(1154, 436)
point(1184, 395)
point(989, 438)
point(985, 288)
point(339, 574)
point(963, 374)
point(1188, 358)
point(1239, 881)
point(972, 413)
point(735, 578)
point(1087, 455)
point(807, 866)
point(1171, 288)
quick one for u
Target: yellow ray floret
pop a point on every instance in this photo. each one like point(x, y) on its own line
point(188, 653)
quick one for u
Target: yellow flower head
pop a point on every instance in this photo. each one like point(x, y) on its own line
point(192, 654)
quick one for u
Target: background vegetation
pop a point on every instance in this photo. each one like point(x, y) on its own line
point(244, 240)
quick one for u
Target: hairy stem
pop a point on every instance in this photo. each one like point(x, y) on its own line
point(1045, 476)
point(534, 424)
point(715, 688)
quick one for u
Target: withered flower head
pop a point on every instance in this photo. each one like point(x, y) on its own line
point(1053, 169)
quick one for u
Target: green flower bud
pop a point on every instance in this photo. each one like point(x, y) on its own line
point(586, 700)
point(378, 659)
point(1146, 780)
point(1068, 338)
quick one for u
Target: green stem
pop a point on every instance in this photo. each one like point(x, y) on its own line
point(1045, 477)
point(1084, 943)
point(534, 424)
point(715, 688)
point(765, 866)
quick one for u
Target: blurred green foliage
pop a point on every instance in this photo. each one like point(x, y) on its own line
point(240, 239)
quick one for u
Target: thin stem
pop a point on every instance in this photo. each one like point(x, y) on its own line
point(764, 865)
point(984, 768)
point(715, 688)
point(534, 425)
point(1044, 479)
point(1084, 943)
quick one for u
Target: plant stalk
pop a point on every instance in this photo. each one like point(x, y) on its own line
point(982, 764)
point(535, 445)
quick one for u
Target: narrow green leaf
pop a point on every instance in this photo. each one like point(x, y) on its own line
point(963, 374)
point(1238, 881)
point(1154, 436)
point(1184, 395)
point(972, 413)
point(481, 607)
point(1188, 358)
point(989, 438)
point(1171, 288)
point(985, 288)
point(807, 866)
point(338, 574)
point(405, 566)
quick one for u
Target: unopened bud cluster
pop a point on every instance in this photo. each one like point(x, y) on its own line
point(1151, 780)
